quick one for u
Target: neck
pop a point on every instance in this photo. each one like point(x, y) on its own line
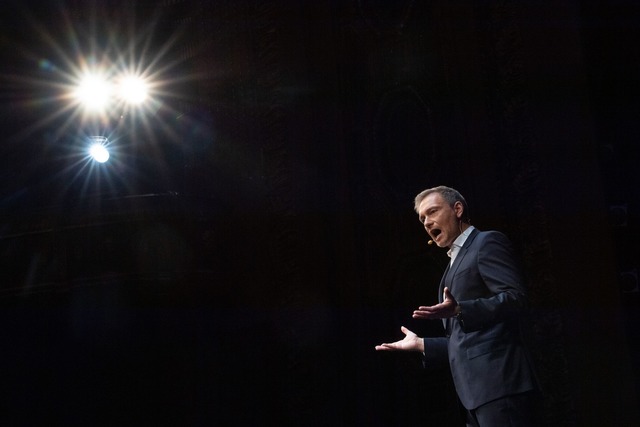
point(462, 226)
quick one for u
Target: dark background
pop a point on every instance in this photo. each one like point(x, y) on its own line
point(253, 238)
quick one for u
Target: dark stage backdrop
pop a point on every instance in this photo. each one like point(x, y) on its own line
point(245, 272)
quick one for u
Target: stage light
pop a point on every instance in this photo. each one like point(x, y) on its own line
point(133, 90)
point(98, 149)
point(94, 92)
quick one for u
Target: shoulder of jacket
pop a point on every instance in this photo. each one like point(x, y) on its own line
point(491, 236)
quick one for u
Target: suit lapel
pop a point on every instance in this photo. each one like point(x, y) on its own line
point(450, 271)
point(460, 258)
point(443, 281)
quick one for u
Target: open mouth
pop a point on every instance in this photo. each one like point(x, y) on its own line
point(435, 233)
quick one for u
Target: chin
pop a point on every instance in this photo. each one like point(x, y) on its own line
point(444, 244)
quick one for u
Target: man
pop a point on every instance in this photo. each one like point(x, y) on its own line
point(482, 298)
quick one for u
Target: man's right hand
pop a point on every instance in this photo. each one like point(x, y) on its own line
point(410, 342)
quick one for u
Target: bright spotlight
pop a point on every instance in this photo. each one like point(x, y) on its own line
point(98, 150)
point(133, 90)
point(94, 92)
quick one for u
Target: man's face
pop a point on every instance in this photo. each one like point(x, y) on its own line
point(440, 219)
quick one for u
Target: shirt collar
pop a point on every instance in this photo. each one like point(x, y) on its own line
point(458, 243)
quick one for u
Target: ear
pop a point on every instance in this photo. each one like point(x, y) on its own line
point(458, 209)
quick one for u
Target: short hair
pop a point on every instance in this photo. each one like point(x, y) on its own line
point(450, 195)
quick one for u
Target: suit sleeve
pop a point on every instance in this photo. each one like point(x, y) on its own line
point(506, 296)
point(435, 353)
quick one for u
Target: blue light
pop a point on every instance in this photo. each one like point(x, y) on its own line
point(98, 149)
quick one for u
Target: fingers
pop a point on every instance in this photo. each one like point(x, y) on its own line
point(426, 311)
point(421, 315)
point(385, 347)
point(438, 311)
point(429, 308)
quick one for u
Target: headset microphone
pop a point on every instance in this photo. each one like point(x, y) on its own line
point(430, 242)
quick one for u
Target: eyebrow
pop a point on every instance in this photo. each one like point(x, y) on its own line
point(428, 211)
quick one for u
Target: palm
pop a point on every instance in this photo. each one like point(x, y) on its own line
point(410, 342)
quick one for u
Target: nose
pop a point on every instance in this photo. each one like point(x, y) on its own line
point(426, 222)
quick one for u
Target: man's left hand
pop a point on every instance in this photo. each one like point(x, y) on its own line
point(447, 308)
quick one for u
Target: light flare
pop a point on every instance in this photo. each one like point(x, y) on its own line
point(98, 149)
point(96, 79)
point(133, 90)
point(94, 92)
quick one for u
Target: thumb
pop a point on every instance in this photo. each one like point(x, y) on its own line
point(406, 331)
point(448, 296)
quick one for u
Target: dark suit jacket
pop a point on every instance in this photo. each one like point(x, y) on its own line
point(484, 346)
